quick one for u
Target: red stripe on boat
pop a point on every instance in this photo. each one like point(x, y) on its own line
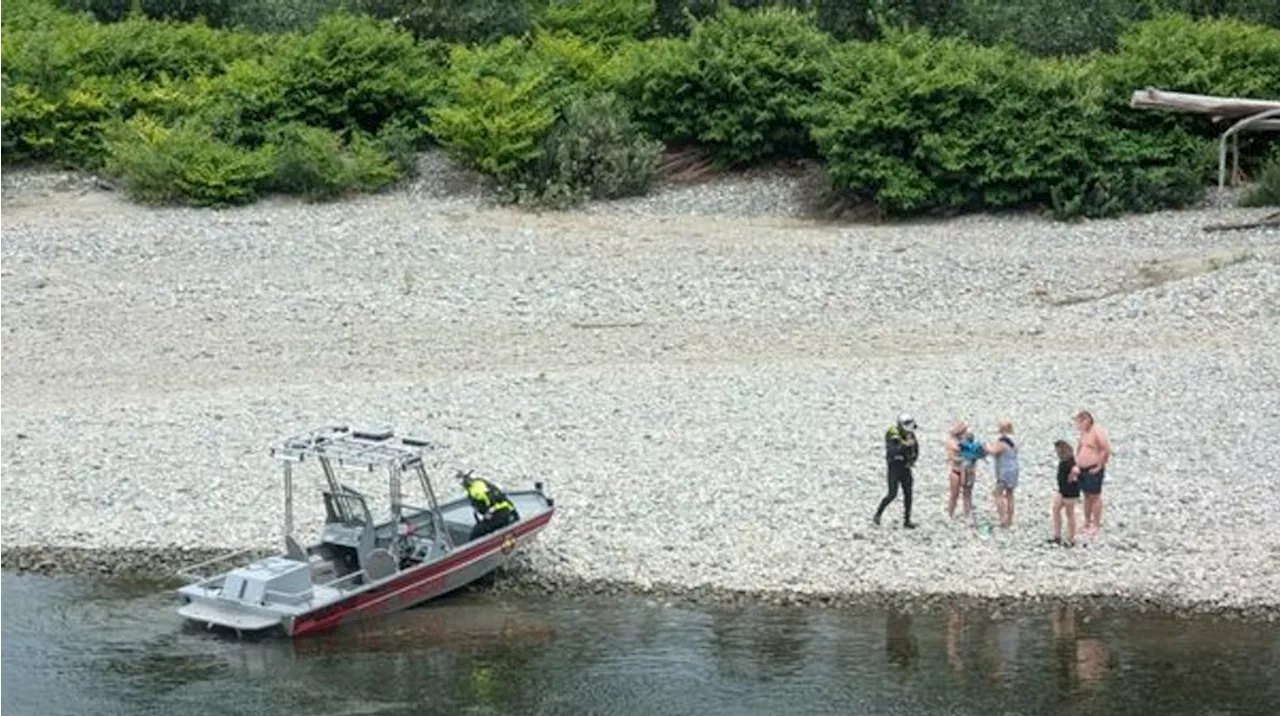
point(415, 580)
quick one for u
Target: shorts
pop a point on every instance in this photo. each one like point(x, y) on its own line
point(1006, 483)
point(1091, 482)
point(1069, 490)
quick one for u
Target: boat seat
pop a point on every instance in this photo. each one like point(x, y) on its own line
point(322, 570)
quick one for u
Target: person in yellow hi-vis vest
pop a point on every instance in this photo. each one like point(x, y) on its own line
point(494, 510)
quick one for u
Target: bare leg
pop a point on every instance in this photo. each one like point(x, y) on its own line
point(1057, 517)
point(1097, 512)
point(1009, 508)
point(1088, 513)
point(953, 495)
point(1071, 521)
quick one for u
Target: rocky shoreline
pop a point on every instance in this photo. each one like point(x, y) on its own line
point(518, 579)
point(703, 378)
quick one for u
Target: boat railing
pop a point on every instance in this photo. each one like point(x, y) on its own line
point(192, 573)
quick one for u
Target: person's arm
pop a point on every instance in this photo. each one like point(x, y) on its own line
point(1103, 443)
point(994, 448)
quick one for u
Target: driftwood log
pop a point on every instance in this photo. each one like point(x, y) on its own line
point(1218, 107)
point(1268, 220)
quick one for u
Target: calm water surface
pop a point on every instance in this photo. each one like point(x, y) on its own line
point(73, 646)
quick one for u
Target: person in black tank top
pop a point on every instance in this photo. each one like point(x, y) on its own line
point(1068, 493)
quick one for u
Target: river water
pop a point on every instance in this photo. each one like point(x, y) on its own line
point(79, 646)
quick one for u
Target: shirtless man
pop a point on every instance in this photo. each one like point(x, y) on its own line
point(1092, 453)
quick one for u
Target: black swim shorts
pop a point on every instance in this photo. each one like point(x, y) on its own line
point(1091, 482)
point(1069, 489)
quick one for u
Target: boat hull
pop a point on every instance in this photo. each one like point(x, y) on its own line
point(422, 583)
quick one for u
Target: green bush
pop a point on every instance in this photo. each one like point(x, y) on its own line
point(504, 99)
point(599, 20)
point(738, 86)
point(242, 105)
point(1050, 27)
point(314, 163)
point(1213, 57)
point(1217, 57)
point(215, 12)
point(65, 125)
point(62, 128)
point(183, 165)
point(466, 21)
point(149, 49)
point(1261, 12)
point(280, 16)
point(595, 151)
point(358, 73)
point(42, 45)
point(672, 17)
point(1265, 191)
point(846, 19)
point(920, 125)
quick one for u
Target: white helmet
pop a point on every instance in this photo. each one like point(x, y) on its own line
point(906, 422)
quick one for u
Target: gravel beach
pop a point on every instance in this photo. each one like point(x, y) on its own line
point(703, 377)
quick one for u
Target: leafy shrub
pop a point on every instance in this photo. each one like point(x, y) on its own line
point(1214, 57)
point(358, 73)
point(467, 21)
point(672, 17)
point(185, 164)
point(241, 105)
point(494, 126)
point(599, 20)
point(1266, 190)
point(279, 16)
point(504, 99)
point(846, 19)
point(919, 125)
point(737, 86)
point(215, 12)
point(66, 126)
point(400, 143)
point(595, 151)
point(42, 45)
point(43, 127)
point(1261, 12)
point(1218, 57)
point(314, 163)
point(1050, 27)
point(149, 49)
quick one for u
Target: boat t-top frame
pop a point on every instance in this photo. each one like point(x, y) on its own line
point(340, 446)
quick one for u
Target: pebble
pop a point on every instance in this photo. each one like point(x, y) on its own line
point(703, 376)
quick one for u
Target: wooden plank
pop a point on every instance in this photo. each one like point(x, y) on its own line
point(1152, 98)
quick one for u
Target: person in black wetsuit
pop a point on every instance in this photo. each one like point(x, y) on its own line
point(901, 451)
point(494, 510)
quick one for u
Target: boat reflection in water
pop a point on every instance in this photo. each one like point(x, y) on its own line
point(440, 632)
point(464, 625)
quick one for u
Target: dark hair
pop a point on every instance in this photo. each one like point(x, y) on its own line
point(1064, 450)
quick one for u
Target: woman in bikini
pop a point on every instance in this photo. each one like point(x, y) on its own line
point(956, 476)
